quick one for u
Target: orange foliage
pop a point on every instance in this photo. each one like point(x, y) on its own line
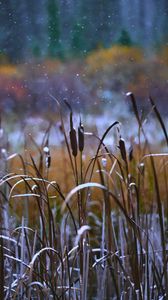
point(51, 66)
point(14, 87)
point(164, 55)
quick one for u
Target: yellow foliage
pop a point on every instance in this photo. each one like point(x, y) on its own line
point(104, 58)
point(47, 66)
point(163, 55)
point(37, 69)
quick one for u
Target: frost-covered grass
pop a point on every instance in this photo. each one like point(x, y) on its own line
point(85, 220)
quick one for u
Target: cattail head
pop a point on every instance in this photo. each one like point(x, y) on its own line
point(73, 141)
point(131, 153)
point(72, 133)
point(73, 138)
point(122, 149)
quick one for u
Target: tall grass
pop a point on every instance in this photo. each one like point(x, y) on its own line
point(104, 238)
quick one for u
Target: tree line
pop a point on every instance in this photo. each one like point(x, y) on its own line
point(66, 28)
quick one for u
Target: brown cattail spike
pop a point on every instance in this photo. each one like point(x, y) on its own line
point(72, 133)
point(122, 149)
point(131, 153)
point(73, 138)
point(73, 141)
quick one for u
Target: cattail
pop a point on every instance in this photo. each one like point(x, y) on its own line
point(73, 139)
point(72, 133)
point(48, 161)
point(81, 136)
point(46, 150)
point(134, 105)
point(122, 149)
point(48, 157)
point(131, 153)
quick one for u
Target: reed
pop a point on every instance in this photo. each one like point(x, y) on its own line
point(104, 238)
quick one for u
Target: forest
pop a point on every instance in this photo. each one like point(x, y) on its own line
point(68, 28)
point(84, 149)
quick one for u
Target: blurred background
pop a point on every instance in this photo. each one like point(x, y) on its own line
point(66, 28)
point(89, 52)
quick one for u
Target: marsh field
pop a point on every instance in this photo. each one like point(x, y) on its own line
point(84, 211)
point(83, 150)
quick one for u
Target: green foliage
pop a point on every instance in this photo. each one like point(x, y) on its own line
point(36, 51)
point(3, 58)
point(53, 28)
point(79, 44)
point(125, 39)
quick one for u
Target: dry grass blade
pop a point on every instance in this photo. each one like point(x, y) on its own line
point(106, 238)
point(2, 273)
point(100, 144)
point(81, 187)
point(64, 133)
point(131, 95)
point(72, 133)
point(81, 231)
point(159, 119)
